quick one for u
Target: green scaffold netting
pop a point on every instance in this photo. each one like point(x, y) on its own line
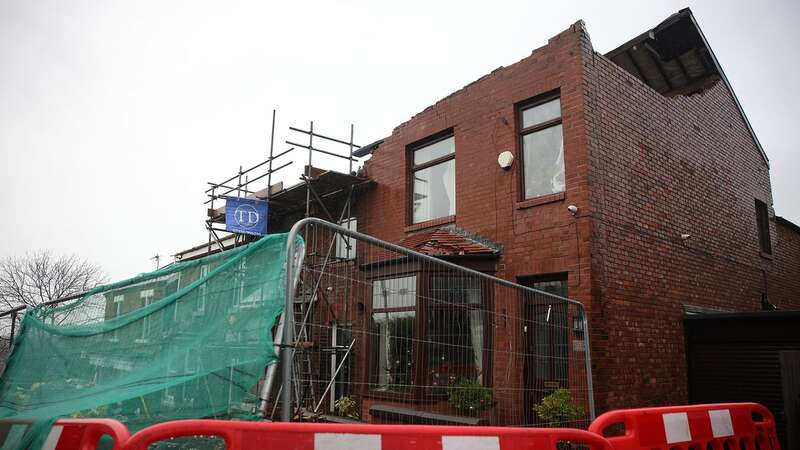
point(188, 341)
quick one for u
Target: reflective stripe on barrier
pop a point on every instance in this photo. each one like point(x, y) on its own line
point(85, 434)
point(317, 436)
point(65, 434)
point(691, 427)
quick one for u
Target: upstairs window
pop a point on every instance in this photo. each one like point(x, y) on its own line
point(762, 220)
point(345, 245)
point(146, 297)
point(200, 305)
point(433, 176)
point(542, 148)
point(118, 301)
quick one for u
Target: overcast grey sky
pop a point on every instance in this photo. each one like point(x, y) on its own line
point(114, 114)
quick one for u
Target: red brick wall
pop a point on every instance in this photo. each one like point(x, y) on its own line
point(784, 285)
point(541, 239)
point(660, 167)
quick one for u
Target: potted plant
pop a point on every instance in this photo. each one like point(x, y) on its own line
point(346, 407)
point(469, 396)
point(557, 408)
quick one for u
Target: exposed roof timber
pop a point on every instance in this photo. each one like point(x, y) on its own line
point(635, 65)
point(659, 65)
point(627, 63)
point(674, 58)
point(682, 66)
point(668, 56)
point(672, 70)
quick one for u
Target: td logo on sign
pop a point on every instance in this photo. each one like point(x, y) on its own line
point(246, 216)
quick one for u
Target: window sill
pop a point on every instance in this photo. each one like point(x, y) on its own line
point(402, 397)
point(766, 255)
point(557, 197)
point(404, 415)
point(430, 223)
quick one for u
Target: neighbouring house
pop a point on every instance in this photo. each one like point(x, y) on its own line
point(630, 181)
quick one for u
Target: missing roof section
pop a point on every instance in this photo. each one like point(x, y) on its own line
point(672, 58)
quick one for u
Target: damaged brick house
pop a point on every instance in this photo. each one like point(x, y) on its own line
point(630, 181)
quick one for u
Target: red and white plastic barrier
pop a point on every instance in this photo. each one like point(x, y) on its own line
point(314, 436)
point(728, 426)
point(68, 434)
point(85, 434)
point(691, 427)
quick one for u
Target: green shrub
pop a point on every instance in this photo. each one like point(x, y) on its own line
point(557, 408)
point(346, 407)
point(469, 395)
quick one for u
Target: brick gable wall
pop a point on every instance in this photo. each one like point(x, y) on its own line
point(660, 167)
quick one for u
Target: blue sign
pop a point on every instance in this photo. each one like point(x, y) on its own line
point(246, 216)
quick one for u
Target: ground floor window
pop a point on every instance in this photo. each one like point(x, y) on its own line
point(454, 331)
point(392, 331)
point(427, 333)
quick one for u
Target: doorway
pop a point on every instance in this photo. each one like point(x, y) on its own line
point(545, 338)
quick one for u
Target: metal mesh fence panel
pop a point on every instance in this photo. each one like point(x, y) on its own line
point(383, 334)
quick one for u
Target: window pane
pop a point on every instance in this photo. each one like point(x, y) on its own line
point(394, 293)
point(543, 154)
point(454, 334)
point(541, 113)
point(345, 245)
point(435, 150)
point(555, 287)
point(391, 335)
point(451, 290)
point(762, 220)
point(434, 192)
point(550, 327)
point(342, 387)
point(551, 340)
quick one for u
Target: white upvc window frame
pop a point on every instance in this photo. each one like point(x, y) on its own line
point(147, 296)
point(118, 300)
point(345, 245)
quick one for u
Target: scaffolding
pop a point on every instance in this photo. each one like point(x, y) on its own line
point(320, 192)
point(323, 193)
